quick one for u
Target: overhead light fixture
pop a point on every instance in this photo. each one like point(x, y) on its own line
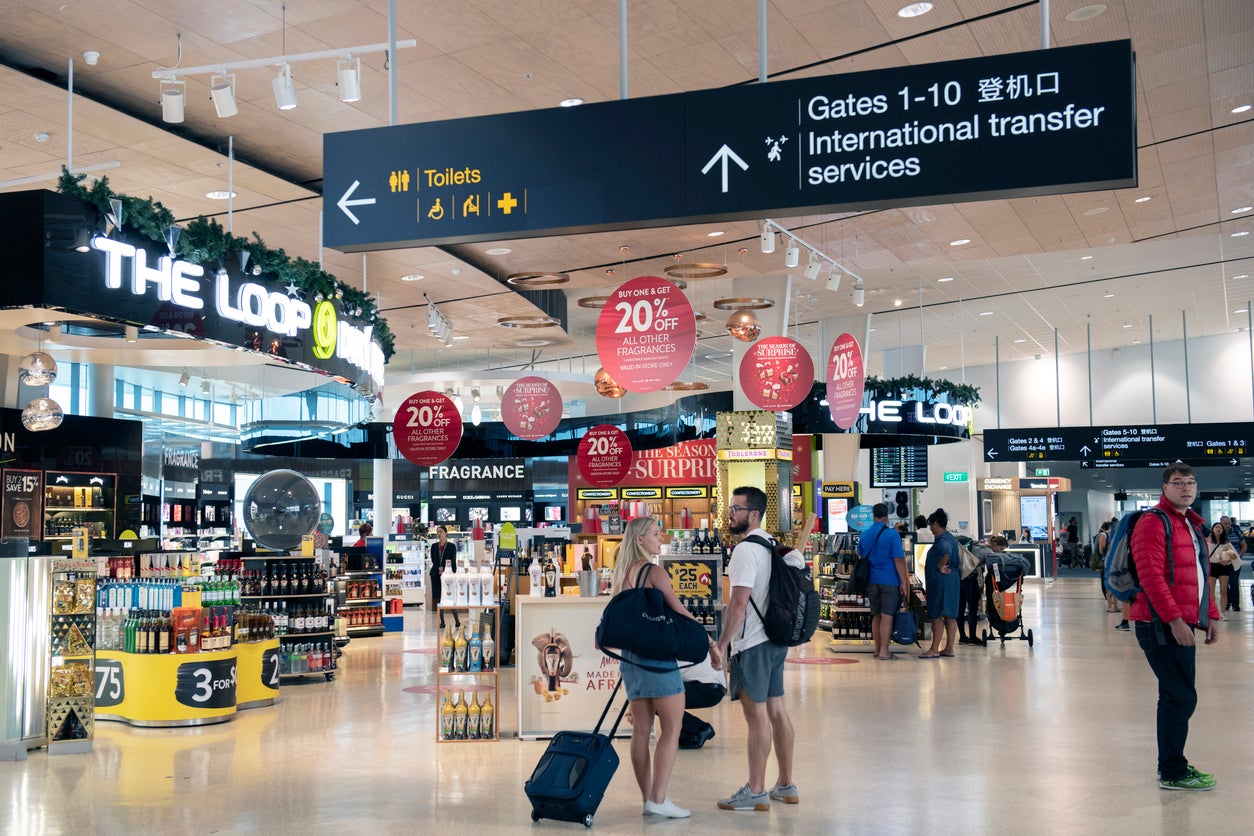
point(458, 403)
point(220, 194)
point(204, 386)
point(833, 281)
point(173, 93)
point(572, 102)
point(718, 233)
point(959, 242)
point(859, 293)
point(1143, 199)
point(284, 89)
point(42, 414)
point(222, 91)
point(944, 279)
point(792, 254)
point(986, 313)
point(184, 378)
point(412, 277)
point(37, 369)
point(348, 76)
point(897, 303)
point(1240, 108)
point(1240, 234)
point(744, 325)
point(82, 241)
point(1108, 295)
point(474, 395)
point(1021, 340)
point(132, 334)
point(1241, 210)
point(476, 414)
point(914, 10)
point(813, 267)
point(606, 386)
point(694, 270)
point(534, 279)
point(768, 240)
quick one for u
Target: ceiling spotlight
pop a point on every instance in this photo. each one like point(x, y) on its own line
point(768, 240)
point(132, 334)
point(184, 378)
point(204, 386)
point(813, 268)
point(476, 414)
point(222, 91)
point(173, 92)
point(859, 293)
point(474, 394)
point(348, 72)
point(833, 281)
point(792, 254)
point(284, 90)
point(914, 10)
point(744, 325)
point(91, 56)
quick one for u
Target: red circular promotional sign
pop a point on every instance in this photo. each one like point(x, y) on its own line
point(531, 408)
point(776, 373)
point(646, 333)
point(427, 428)
point(845, 381)
point(604, 456)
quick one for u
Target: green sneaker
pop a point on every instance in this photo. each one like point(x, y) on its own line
point(1194, 780)
point(1193, 772)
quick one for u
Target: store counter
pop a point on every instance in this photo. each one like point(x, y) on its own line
point(563, 680)
point(186, 689)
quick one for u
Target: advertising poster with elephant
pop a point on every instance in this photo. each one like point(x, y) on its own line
point(563, 680)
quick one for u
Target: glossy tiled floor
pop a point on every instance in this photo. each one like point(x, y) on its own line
point(1057, 739)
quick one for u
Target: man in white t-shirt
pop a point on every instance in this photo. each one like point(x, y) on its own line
point(757, 666)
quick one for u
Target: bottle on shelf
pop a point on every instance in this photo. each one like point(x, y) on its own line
point(550, 578)
point(487, 716)
point(535, 573)
point(460, 650)
point(474, 652)
point(489, 650)
point(448, 718)
point(460, 717)
point(473, 715)
point(446, 649)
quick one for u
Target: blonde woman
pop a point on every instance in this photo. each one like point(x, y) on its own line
point(650, 692)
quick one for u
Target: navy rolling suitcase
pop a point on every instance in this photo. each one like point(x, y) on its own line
point(570, 779)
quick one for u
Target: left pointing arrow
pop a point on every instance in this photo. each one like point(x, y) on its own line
point(344, 202)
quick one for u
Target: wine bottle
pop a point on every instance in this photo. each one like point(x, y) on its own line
point(446, 649)
point(473, 715)
point(489, 650)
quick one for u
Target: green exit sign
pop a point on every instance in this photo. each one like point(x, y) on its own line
point(1042, 471)
point(956, 477)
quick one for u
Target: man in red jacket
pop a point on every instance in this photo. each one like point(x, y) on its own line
point(1166, 615)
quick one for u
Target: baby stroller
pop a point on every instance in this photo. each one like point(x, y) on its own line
point(1003, 587)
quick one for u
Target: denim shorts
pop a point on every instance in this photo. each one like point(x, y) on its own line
point(759, 671)
point(883, 599)
point(642, 684)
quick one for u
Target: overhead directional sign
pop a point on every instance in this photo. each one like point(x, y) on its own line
point(1209, 445)
point(933, 133)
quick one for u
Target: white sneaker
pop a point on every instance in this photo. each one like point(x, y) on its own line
point(666, 808)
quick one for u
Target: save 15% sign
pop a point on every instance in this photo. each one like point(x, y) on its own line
point(604, 456)
point(646, 334)
point(427, 428)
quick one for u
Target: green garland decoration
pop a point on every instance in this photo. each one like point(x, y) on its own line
point(204, 240)
point(958, 393)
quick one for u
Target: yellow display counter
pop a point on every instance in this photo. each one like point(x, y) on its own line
point(190, 689)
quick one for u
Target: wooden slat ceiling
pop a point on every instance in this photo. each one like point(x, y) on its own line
point(1173, 253)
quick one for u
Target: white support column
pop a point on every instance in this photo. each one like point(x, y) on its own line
point(382, 497)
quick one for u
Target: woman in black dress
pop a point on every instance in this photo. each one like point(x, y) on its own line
point(443, 558)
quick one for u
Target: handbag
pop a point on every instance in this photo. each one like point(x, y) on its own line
point(861, 577)
point(967, 561)
point(638, 620)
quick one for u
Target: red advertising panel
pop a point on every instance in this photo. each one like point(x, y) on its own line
point(683, 464)
point(427, 428)
point(531, 408)
point(604, 456)
point(646, 334)
point(845, 381)
point(776, 373)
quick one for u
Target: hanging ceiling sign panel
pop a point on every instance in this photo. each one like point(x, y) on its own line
point(1029, 123)
point(646, 333)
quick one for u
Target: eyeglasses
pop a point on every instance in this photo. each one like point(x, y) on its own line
point(1183, 483)
point(736, 509)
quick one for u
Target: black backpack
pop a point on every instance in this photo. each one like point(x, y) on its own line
point(792, 602)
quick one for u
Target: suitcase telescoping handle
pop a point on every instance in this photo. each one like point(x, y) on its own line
point(606, 710)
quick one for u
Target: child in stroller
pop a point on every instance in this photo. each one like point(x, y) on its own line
point(1003, 587)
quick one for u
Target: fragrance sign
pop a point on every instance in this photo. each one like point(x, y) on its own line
point(646, 333)
point(427, 428)
point(604, 456)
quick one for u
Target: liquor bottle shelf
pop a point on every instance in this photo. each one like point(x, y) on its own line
point(305, 635)
point(285, 596)
point(363, 600)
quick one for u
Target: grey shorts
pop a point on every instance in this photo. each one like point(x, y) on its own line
point(759, 671)
point(883, 599)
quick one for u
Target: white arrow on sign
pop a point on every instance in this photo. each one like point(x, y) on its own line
point(344, 202)
point(992, 454)
point(1232, 461)
point(1085, 450)
point(723, 155)
point(1084, 464)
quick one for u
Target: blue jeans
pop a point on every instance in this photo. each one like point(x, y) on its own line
point(1175, 667)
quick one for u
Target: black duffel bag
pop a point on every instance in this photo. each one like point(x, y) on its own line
point(638, 620)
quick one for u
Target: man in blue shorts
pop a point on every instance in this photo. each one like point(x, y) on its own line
point(757, 668)
point(889, 586)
